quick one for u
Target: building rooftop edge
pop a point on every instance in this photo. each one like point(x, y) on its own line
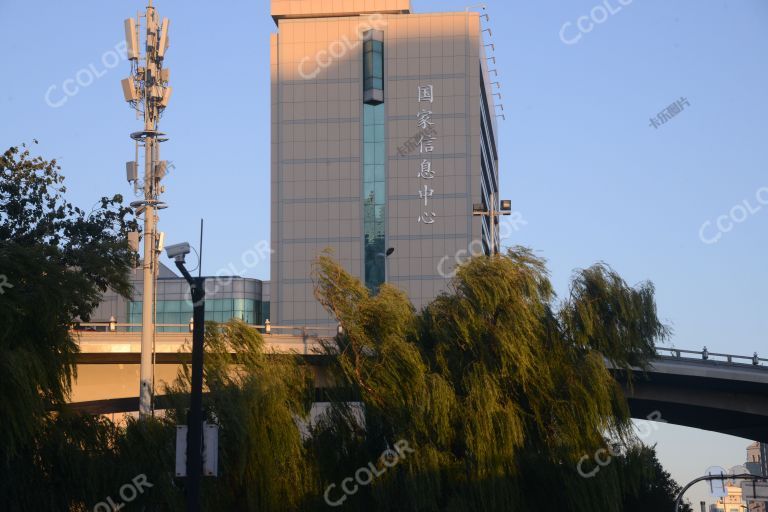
point(292, 9)
point(214, 278)
point(332, 15)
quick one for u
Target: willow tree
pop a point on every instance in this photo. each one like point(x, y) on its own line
point(497, 389)
point(259, 400)
point(55, 261)
point(495, 385)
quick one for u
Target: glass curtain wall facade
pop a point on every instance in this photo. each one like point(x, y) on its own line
point(226, 298)
point(179, 312)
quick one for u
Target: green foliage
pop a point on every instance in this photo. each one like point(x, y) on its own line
point(606, 315)
point(74, 449)
point(78, 461)
point(256, 398)
point(499, 389)
point(490, 380)
point(56, 260)
point(653, 488)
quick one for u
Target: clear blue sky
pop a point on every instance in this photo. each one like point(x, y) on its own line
point(578, 158)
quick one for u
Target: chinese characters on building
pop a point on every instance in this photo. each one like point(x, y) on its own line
point(669, 112)
point(426, 145)
point(412, 144)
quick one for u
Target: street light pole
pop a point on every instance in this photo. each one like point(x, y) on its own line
point(195, 415)
point(679, 499)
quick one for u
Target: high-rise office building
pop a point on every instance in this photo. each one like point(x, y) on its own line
point(383, 139)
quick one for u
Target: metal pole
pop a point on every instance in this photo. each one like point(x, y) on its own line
point(200, 255)
point(679, 499)
point(147, 314)
point(195, 415)
point(493, 223)
point(764, 458)
point(148, 325)
point(155, 271)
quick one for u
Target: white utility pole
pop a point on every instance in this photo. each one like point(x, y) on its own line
point(148, 92)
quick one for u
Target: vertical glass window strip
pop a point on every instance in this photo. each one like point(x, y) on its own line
point(374, 159)
point(264, 312)
point(374, 195)
point(134, 315)
point(373, 67)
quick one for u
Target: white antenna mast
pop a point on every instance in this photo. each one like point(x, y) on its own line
point(148, 92)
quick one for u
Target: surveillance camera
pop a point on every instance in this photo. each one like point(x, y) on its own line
point(177, 251)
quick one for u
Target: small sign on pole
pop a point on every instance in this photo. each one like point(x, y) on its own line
point(181, 450)
point(754, 490)
point(210, 450)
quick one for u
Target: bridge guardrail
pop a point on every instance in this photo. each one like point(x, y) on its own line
point(266, 328)
point(326, 331)
point(706, 355)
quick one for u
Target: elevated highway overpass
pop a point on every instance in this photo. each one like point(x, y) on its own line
point(716, 392)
